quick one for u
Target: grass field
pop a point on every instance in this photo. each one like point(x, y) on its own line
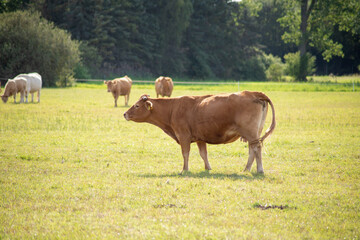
point(71, 167)
point(318, 84)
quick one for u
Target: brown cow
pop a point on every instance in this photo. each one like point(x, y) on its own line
point(212, 119)
point(164, 86)
point(120, 87)
point(14, 86)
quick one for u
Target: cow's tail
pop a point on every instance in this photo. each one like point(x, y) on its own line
point(263, 97)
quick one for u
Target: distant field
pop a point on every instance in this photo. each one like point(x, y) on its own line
point(317, 84)
point(71, 167)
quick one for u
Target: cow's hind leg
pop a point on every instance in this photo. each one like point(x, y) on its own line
point(258, 156)
point(38, 96)
point(126, 100)
point(255, 152)
point(203, 154)
point(250, 159)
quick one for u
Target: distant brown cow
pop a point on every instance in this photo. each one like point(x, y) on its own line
point(213, 119)
point(164, 86)
point(14, 86)
point(120, 87)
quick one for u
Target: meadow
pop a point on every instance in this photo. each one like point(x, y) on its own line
point(71, 167)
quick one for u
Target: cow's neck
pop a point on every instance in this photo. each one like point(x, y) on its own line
point(161, 115)
point(161, 112)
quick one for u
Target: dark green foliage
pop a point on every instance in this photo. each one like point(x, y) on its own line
point(313, 24)
point(29, 43)
point(196, 39)
point(269, 29)
point(12, 5)
point(222, 42)
point(217, 39)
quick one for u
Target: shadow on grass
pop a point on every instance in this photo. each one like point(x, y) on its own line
point(207, 174)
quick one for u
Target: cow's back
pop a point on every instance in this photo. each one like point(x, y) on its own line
point(21, 84)
point(34, 81)
point(168, 87)
point(164, 86)
point(157, 86)
point(218, 118)
point(123, 86)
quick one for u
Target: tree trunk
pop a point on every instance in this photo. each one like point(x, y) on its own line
point(305, 13)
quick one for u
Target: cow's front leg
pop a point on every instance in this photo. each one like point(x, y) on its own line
point(22, 94)
point(203, 154)
point(115, 100)
point(185, 149)
point(15, 98)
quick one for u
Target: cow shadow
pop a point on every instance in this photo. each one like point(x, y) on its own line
point(207, 174)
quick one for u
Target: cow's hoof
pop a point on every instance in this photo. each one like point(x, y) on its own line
point(183, 172)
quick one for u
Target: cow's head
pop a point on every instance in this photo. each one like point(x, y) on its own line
point(140, 111)
point(10, 88)
point(110, 85)
point(4, 98)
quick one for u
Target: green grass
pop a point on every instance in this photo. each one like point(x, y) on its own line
point(71, 167)
point(317, 84)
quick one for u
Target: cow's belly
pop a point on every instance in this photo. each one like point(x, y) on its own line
point(218, 136)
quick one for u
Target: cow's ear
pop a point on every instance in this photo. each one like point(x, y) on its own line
point(149, 105)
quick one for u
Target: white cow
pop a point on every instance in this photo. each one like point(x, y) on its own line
point(34, 84)
point(14, 86)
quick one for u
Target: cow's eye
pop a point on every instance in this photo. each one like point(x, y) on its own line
point(136, 106)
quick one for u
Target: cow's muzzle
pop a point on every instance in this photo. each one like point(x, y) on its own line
point(126, 116)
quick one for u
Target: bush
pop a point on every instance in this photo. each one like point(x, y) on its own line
point(271, 59)
point(253, 68)
point(293, 66)
point(29, 43)
point(274, 67)
point(275, 72)
point(81, 72)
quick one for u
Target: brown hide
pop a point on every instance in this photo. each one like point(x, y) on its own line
point(213, 119)
point(164, 86)
point(120, 87)
point(13, 87)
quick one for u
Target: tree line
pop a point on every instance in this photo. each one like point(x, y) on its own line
point(201, 39)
